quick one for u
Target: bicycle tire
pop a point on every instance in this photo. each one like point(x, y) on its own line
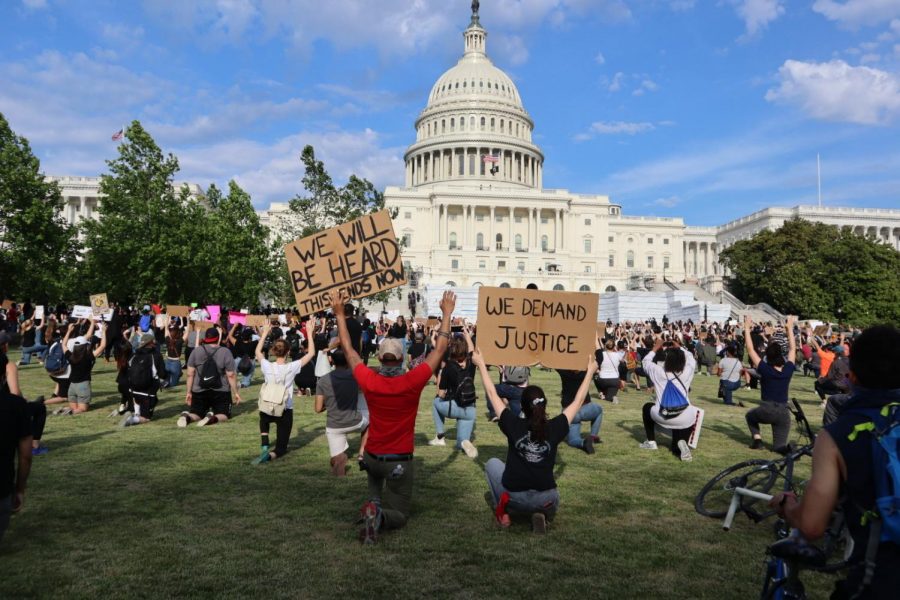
point(715, 497)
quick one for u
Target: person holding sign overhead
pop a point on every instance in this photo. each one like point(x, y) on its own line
point(525, 483)
point(393, 400)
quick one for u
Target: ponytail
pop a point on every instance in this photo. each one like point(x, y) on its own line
point(534, 405)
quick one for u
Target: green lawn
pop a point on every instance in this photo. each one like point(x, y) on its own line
point(156, 511)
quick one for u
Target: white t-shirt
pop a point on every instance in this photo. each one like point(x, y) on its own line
point(609, 368)
point(731, 369)
point(273, 371)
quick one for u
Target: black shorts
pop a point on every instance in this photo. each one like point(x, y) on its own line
point(63, 386)
point(219, 403)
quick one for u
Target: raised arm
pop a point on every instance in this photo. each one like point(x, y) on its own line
point(467, 333)
point(572, 409)
point(792, 341)
point(310, 342)
point(748, 342)
point(262, 340)
point(338, 299)
point(434, 358)
point(231, 339)
point(489, 389)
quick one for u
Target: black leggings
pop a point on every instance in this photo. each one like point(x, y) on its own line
point(145, 402)
point(283, 426)
point(38, 414)
point(650, 429)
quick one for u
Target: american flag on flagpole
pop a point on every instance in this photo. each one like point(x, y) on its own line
point(118, 135)
point(490, 158)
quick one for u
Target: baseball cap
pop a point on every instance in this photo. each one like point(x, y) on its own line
point(391, 346)
point(147, 339)
point(211, 336)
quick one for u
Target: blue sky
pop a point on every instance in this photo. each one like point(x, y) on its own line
point(706, 109)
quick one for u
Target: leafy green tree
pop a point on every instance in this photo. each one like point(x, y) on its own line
point(242, 264)
point(145, 243)
point(817, 271)
point(326, 206)
point(37, 247)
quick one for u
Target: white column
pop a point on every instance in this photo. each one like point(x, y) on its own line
point(492, 241)
point(556, 228)
point(444, 224)
point(509, 243)
point(436, 231)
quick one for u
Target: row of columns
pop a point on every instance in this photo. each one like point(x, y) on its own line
point(443, 165)
point(77, 208)
point(701, 259)
point(532, 240)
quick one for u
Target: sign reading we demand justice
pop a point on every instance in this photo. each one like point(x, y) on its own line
point(527, 327)
point(361, 256)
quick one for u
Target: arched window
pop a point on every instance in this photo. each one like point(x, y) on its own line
point(443, 125)
point(452, 240)
point(558, 288)
point(501, 125)
point(451, 284)
point(584, 288)
point(464, 84)
point(499, 240)
point(545, 243)
point(428, 128)
point(504, 285)
point(629, 261)
point(479, 241)
point(610, 288)
point(492, 123)
point(471, 122)
point(518, 241)
point(462, 123)
point(482, 123)
point(477, 284)
point(452, 124)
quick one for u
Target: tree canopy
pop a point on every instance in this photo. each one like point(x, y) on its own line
point(817, 271)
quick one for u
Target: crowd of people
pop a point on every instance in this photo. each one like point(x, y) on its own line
point(326, 356)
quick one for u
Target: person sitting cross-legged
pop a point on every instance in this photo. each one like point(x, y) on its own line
point(525, 483)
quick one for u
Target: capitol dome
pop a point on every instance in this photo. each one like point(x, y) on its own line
point(474, 127)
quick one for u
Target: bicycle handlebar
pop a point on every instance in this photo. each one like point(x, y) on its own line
point(736, 501)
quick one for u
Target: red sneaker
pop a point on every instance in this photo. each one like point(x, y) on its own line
point(500, 511)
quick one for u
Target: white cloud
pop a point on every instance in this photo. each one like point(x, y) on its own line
point(757, 14)
point(600, 59)
point(867, 59)
point(510, 49)
point(669, 202)
point(682, 5)
point(614, 128)
point(35, 4)
point(616, 84)
point(855, 13)
point(836, 91)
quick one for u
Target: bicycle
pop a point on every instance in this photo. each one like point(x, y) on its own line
point(757, 475)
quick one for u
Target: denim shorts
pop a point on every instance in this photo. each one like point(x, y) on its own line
point(80, 393)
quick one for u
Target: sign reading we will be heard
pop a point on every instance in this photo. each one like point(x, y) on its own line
point(362, 256)
point(527, 327)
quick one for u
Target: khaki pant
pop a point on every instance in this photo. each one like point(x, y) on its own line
point(391, 483)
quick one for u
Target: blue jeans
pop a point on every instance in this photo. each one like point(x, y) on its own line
point(465, 418)
point(727, 388)
point(527, 502)
point(173, 369)
point(27, 351)
point(512, 394)
point(592, 412)
point(244, 380)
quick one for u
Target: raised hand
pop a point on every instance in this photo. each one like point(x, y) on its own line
point(448, 303)
point(477, 358)
point(338, 299)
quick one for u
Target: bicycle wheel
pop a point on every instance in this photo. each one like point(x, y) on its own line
point(715, 497)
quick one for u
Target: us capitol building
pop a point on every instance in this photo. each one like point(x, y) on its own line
point(473, 210)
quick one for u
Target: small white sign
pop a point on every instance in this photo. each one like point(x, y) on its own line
point(82, 312)
point(38, 312)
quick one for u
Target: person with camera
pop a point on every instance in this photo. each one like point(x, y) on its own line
point(672, 407)
point(392, 397)
point(524, 484)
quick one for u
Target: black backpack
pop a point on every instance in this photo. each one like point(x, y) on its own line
point(140, 371)
point(210, 379)
point(464, 394)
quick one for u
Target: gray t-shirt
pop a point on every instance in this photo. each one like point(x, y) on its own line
point(224, 362)
point(731, 369)
point(341, 398)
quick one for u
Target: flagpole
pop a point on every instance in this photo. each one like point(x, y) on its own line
point(819, 178)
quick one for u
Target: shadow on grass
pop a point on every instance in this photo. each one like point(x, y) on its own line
point(738, 434)
point(72, 441)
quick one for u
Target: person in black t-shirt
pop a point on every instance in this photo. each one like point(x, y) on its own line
point(455, 398)
point(525, 484)
point(15, 440)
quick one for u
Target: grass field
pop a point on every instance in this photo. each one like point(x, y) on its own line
point(156, 511)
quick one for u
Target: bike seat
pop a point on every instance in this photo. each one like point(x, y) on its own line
point(799, 551)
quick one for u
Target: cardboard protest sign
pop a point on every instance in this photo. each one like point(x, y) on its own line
point(821, 330)
point(432, 323)
point(257, 320)
point(527, 327)
point(601, 330)
point(236, 317)
point(174, 310)
point(81, 312)
point(99, 304)
point(38, 312)
point(202, 326)
point(7, 304)
point(361, 256)
point(198, 314)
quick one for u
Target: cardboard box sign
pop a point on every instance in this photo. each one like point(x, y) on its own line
point(174, 310)
point(527, 327)
point(257, 320)
point(202, 326)
point(362, 257)
point(99, 304)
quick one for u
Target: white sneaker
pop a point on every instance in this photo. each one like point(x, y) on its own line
point(648, 445)
point(469, 448)
point(182, 420)
point(615, 399)
point(204, 421)
point(686, 455)
point(125, 419)
point(438, 442)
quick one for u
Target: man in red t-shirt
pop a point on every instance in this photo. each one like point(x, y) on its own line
point(393, 400)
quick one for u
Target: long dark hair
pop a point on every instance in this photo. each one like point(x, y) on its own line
point(535, 413)
point(773, 355)
point(123, 355)
point(79, 353)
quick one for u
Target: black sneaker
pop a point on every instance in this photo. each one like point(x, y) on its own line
point(588, 445)
point(756, 444)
